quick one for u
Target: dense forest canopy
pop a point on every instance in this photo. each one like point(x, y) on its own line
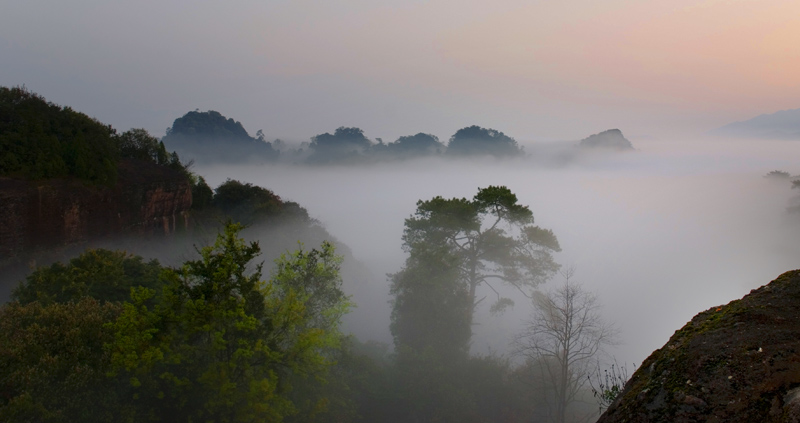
point(41, 140)
point(210, 340)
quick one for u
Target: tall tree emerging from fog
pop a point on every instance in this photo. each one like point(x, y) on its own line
point(490, 239)
point(454, 246)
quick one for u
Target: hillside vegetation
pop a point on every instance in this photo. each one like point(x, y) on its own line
point(42, 140)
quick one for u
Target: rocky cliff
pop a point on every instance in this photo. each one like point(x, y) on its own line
point(39, 216)
point(734, 363)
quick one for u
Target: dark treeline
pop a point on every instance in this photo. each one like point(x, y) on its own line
point(209, 137)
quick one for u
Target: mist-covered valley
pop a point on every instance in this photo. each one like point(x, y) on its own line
point(659, 233)
point(400, 211)
point(350, 280)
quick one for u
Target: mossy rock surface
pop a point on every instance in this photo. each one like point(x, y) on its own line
point(738, 362)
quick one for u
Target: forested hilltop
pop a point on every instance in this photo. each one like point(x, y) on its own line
point(40, 140)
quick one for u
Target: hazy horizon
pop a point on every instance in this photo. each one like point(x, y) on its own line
point(536, 71)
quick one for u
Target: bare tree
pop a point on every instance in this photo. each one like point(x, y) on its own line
point(561, 340)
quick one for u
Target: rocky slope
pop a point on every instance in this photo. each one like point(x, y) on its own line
point(735, 363)
point(41, 216)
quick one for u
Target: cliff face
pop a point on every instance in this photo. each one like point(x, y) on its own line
point(37, 216)
point(735, 363)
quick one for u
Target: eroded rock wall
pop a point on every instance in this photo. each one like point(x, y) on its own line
point(38, 216)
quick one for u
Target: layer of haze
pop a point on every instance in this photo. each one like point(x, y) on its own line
point(533, 69)
point(659, 234)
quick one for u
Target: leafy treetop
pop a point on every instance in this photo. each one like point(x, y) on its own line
point(492, 237)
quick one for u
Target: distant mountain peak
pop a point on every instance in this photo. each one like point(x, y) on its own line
point(612, 139)
point(784, 124)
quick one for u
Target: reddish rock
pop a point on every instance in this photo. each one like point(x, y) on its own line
point(38, 216)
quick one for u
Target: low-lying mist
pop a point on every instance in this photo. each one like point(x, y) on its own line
point(658, 234)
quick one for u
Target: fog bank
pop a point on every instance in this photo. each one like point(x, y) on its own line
point(659, 234)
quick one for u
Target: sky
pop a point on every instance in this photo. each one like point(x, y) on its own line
point(536, 70)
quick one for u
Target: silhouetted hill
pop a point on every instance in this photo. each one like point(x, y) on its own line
point(784, 124)
point(610, 139)
point(477, 141)
point(209, 137)
point(734, 363)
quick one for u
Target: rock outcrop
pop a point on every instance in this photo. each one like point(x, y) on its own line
point(611, 139)
point(735, 363)
point(40, 216)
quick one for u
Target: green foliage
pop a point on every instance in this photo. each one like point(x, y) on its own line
point(245, 202)
point(53, 363)
point(431, 306)
point(139, 144)
point(474, 140)
point(251, 204)
point(223, 345)
point(491, 237)
point(41, 140)
point(202, 195)
point(454, 246)
point(102, 274)
point(608, 385)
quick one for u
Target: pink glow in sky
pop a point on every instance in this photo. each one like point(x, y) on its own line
point(534, 69)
